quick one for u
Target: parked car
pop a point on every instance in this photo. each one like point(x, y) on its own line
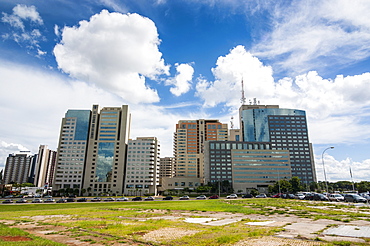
point(213, 197)
point(168, 198)
point(354, 198)
point(22, 200)
point(320, 197)
point(232, 196)
point(70, 199)
point(8, 201)
point(49, 200)
point(262, 195)
point(96, 199)
point(299, 196)
point(62, 200)
point(336, 197)
point(201, 197)
point(138, 198)
point(247, 196)
point(149, 198)
point(82, 199)
point(47, 196)
point(109, 199)
point(309, 196)
point(122, 199)
point(184, 198)
point(37, 200)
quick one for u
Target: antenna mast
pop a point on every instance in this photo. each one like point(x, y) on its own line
point(242, 100)
point(232, 122)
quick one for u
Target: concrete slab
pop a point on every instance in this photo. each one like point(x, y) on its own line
point(260, 223)
point(349, 231)
point(198, 220)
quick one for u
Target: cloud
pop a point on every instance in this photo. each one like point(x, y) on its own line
point(230, 70)
point(182, 80)
point(310, 35)
point(114, 52)
point(29, 38)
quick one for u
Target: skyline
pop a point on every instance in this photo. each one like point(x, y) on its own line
point(185, 60)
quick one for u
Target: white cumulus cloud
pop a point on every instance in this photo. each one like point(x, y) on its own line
point(182, 80)
point(115, 52)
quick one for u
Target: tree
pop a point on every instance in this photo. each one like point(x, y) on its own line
point(254, 192)
point(295, 184)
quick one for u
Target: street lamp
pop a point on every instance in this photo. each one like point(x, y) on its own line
point(323, 165)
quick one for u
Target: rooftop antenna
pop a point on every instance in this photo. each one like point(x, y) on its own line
point(242, 100)
point(232, 122)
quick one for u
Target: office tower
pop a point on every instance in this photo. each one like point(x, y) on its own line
point(106, 153)
point(166, 167)
point(72, 148)
point(142, 172)
point(46, 160)
point(245, 165)
point(285, 129)
point(189, 141)
point(18, 167)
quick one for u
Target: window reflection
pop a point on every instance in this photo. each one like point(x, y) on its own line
point(105, 162)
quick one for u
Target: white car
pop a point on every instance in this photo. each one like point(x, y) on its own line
point(122, 199)
point(299, 196)
point(201, 197)
point(336, 198)
point(232, 196)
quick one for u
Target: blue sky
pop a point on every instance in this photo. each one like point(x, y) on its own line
point(177, 60)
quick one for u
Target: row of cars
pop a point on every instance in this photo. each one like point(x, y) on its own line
point(334, 197)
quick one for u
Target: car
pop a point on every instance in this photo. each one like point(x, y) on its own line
point(354, 198)
point(8, 201)
point(62, 200)
point(49, 200)
point(336, 197)
point(213, 197)
point(201, 197)
point(247, 196)
point(96, 199)
point(149, 198)
point(10, 196)
point(69, 199)
point(138, 198)
point(320, 197)
point(184, 198)
point(299, 196)
point(109, 199)
point(22, 200)
point(168, 198)
point(37, 200)
point(122, 199)
point(262, 195)
point(82, 199)
point(232, 196)
point(47, 196)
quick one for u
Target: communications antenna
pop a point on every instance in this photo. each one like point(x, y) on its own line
point(242, 100)
point(232, 122)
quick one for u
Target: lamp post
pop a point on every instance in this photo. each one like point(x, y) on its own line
point(323, 165)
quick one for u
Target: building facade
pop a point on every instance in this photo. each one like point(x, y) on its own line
point(142, 172)
point(166, 167)
point(106, 152)
point(284, 129)
point(189, 140)
point(18, 167)
point(46, 161)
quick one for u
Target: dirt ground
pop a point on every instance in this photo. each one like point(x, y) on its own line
point(298, 231)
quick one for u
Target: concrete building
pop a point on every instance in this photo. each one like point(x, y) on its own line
point(18, 167)
point(166, 167)
point(46, 161)
point(189, 140)
point(142, 172)
point(284, 129)
point(106, 152)
point(72, 148)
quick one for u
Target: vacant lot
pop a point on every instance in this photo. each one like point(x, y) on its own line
point(207, 222)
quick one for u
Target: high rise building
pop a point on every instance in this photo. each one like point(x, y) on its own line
point(18, 167)
point(142, 172)
point(106, 152)
point(189, 140)
point(72, 148)
point(46, 161)
point(92, 150)
point(284, 129)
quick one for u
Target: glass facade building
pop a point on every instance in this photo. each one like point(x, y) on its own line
point(284, 129)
